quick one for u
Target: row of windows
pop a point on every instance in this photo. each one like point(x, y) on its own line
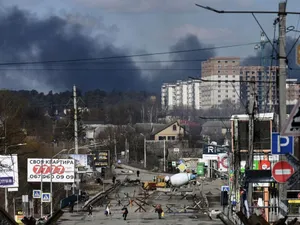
point(169, 138)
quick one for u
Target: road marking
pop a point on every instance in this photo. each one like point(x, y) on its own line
point(283, 172)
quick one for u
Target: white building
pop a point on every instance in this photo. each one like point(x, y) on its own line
point(181, 94)
point(213, 93)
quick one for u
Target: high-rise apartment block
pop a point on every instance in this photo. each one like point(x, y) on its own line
point(213, 92)
point(181, 94)
point(223, 79)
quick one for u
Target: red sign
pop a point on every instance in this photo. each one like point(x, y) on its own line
point(264, 165)
point(298, 195)
point(282, 171)
point(45, 169)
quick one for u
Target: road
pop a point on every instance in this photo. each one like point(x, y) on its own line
point(126, 193)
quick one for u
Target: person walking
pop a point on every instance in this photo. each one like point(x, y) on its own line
point(125, 212)
point(114, 180)
point(138, 173)
point(159, 211)
point(90, 209)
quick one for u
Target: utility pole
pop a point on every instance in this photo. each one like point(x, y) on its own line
point(282, 81)
point(237, 165)
point(5, 152)
point(251, 112)
point(75, 131)
point(145, 152)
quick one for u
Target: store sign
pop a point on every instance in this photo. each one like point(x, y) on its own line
point(39, 170)
point(210, 152)
point(9, 175)
point(101, 158)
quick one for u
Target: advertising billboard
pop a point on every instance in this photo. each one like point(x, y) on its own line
point(81, 160)
point(63, 170)
point(101, 158)
point(9, 174)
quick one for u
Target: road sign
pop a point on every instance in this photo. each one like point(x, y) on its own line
point(36, 193)
point(282, 171)
point(46, 197)
point(292, 126)
point(281, 145)
point(225, 188)
point(182, 167)
point(25, 198)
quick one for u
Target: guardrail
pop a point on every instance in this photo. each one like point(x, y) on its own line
point(94, 200)
point(5, 218)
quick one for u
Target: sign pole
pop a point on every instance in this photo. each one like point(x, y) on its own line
point(51, 188)
point(42, 187)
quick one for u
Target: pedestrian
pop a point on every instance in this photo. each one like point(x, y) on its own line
point(138, 173)
point(114, 179)
point(90, 209)
point(125, 212)
point(107, 211)
point(71, 207)
point(159, 211)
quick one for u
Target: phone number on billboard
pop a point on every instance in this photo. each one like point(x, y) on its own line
point(58, 177)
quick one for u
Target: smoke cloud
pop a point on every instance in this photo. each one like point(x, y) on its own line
point(26, 37)
point(255, 60)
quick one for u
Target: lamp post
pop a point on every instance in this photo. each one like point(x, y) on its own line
point(145, 150)
point(6, 191)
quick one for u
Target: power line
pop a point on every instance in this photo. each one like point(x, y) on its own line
point(157, 61)
point(125, 56)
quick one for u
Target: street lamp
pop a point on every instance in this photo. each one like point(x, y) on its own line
point(5, 189)
point(145, 150)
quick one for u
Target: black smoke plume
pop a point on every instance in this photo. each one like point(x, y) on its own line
point(269, 53)
point(25, 37)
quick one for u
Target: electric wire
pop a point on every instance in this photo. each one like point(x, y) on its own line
point(125, 56)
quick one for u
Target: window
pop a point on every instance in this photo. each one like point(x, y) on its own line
point(219, 96)
point(171, 138)
point(161, 138)
point(174, 127)
point(226, 91)
point(233, 61)
point(219, 76)
point(218, 71)
point(219, 90)
point(219, 61)
point(226, 61)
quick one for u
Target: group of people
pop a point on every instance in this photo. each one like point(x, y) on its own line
point(158, 208)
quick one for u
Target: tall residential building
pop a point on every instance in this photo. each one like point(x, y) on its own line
point(292, 91)
point(265, 86)
point(214, 93)
point(181, 94)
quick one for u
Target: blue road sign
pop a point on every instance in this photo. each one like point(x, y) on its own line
point(36, 194)
point(225, 188)
point(6, 181)
point(46, 197)
point(282, 145)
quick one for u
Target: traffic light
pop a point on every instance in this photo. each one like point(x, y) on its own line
point(170, 167)
point(298, 55)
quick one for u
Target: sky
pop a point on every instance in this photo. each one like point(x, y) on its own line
point(55, 30)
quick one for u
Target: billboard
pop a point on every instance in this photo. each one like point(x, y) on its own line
point(9, 174)
point(81, 160)
point(101, 158)
point(210, 152)
point(63, 170)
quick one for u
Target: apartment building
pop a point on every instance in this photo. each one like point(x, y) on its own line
point(264, 86)
point(292, 91)
point(213, 92)
point(181, 94)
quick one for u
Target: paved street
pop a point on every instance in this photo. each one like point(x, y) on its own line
point(125, 193)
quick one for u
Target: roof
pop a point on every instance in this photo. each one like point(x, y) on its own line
point(223, 124)
point(148, 127)
point(165, 127)
point(260, 116)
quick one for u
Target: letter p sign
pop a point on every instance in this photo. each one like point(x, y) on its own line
point(282, 144)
